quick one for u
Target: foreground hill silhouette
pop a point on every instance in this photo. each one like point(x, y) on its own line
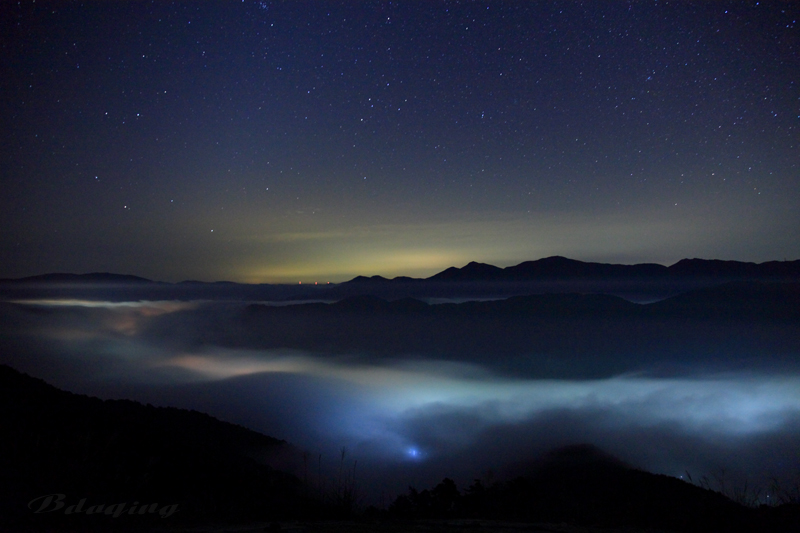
point(52, 441)
point(582, 485)
point(55, 442)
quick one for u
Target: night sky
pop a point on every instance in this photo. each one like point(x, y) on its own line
point(314, 141)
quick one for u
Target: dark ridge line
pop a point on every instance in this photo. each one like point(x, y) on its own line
point(548, 268)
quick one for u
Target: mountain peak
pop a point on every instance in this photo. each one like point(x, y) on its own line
point(94, 277)
point(472, 271)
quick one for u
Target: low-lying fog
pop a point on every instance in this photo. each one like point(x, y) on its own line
point(408, 419)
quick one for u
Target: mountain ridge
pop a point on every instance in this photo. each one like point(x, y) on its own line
point(121, 449)
point(558, 267)
point(552, 267)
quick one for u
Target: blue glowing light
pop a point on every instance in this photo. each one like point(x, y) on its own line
point(413, 453)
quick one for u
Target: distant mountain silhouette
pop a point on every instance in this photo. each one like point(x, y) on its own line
point(471, 272)
point(642, 282)
point(548, 268)
point(566, 335)
point(95, 277)
point(746, 299)
point(754, 299)
point(561, 267)
point(558, 267)
point(52, 441)
point(361, 279)
point(735, 269)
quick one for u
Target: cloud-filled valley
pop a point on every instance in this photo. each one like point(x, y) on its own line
point(417, 392)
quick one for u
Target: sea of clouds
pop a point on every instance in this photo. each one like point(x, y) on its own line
point(410, 420)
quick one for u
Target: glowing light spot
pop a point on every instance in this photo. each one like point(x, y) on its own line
point(413, 453)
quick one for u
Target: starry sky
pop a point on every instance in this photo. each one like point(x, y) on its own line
point(302, 141)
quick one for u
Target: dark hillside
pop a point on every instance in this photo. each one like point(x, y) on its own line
point(52, 442)
point(581, 485)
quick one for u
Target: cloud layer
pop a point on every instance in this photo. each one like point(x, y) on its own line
point(411, 421)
